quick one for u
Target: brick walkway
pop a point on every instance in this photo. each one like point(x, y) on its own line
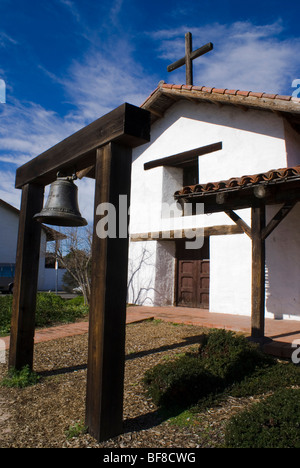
point(282, 332)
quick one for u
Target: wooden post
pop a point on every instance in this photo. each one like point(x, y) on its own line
point(26, 278)
point(258, 274)
point(188, 60)
point(106, 351)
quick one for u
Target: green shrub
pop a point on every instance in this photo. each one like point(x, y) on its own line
point(266, 379)
point(75, 301)
point(19, 378)
point(50, 309)
point(223, 360)
point(5, 314)
point(272, 423)
point(76, 429)
point(179, 383)
point(231, 356)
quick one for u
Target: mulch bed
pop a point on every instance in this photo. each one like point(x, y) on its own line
point(39, 416)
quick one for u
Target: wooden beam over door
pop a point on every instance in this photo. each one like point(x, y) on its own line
point(180, 159)
point(173, 235)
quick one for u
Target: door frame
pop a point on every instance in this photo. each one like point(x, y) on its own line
point(176, 273)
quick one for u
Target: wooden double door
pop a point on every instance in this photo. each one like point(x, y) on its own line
point(192, 275)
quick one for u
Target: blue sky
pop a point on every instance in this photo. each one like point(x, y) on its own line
point(67, 62)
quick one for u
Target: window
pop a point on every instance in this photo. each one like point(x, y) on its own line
point(7, 270)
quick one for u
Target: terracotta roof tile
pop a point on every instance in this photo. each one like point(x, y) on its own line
point(283, 98)
point(258, 95)
point(218, 90)
point(198, 88)
point(269, 96)
point(247, 180)
point(243, 93)
point(231, 91)
point(240, 96)
point(207, 89)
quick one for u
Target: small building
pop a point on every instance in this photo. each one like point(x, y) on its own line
point(48, 277)
point(201, 136)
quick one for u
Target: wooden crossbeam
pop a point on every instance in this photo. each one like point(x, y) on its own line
point(127, 125)
point(240, 222)
point(280, 215)
point(279, 193)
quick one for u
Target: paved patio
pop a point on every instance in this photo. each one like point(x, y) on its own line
point(282, 332)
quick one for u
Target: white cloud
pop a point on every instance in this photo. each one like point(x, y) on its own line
point(115, 11)
point(8, 192)
point(100, 82)
point(72, 9)
point(245, 56)
point(27, 129)
point(86, 190)
point(94, 86)
point(6, 40)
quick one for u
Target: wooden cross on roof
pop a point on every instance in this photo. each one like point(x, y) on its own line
point(190, 55)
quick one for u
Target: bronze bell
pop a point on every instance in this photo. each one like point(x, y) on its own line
point(62, 207)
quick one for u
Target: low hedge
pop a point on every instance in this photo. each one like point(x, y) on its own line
point(222, 360)
point(180, 383)
point(271, 423)
point(50, 309)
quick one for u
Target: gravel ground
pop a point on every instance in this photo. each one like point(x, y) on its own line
point(39, 416)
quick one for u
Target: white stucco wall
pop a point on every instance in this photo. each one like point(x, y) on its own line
point(142, 273)
point(283, 267)
point(9, 225)
point(49, 279)
point(252, 142)
point(9, 222)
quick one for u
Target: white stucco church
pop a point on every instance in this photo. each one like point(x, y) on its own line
point(202, 135)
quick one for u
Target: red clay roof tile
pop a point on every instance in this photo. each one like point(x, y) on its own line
point(243, 93)
point(218, 90)
point(283, 98)
point(269, 96)
point(258, 95)
point(231, 91)
point(274, 174)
